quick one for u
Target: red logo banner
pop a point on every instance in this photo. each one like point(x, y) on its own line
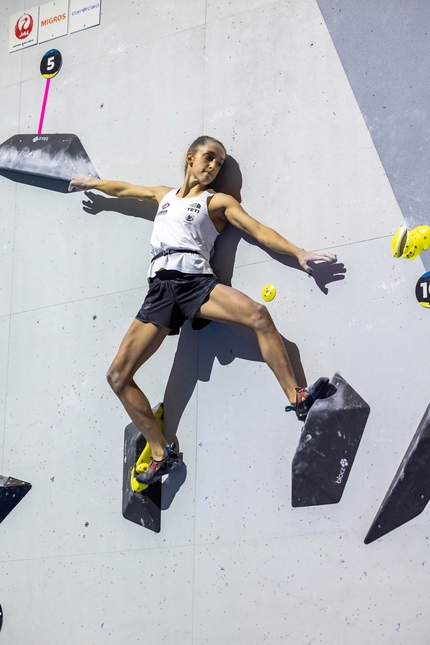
point(24, 26)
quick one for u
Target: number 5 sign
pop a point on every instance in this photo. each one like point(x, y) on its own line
point(50, 64)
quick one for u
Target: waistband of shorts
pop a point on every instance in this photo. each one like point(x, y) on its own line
point(172, 274)
point(172, 251)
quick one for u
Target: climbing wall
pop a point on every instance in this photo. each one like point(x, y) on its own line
point(323, 109)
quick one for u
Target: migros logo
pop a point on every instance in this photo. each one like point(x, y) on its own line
point(50, 21)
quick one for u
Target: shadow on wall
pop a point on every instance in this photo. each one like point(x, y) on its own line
point(229, 179)
point(97, 203)
point(48, 183)
point(226, 343)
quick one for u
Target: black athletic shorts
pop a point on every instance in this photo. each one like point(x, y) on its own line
point(174, 297)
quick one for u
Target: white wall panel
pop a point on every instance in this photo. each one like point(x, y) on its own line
point(326, 589)
point(218, 10)
point(10, 74)
point(76, 254)
point(64, 254)
point(290, 118)
point(242, 424)
point(127, 25)
point(7, 220)
point(135, 138)
point(100, 599)
point(65, 430)
point(9, 101)
point(233, 563)
point(4, 352)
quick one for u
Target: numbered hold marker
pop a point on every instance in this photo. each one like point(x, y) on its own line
point(269, 292)
point(422, 290)
point(51, 63)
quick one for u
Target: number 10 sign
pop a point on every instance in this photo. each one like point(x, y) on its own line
point(422, 290)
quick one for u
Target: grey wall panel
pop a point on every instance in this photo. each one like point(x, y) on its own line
point(384, 48)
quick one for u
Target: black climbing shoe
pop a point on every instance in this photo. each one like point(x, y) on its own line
point(306, 397)
point(157, 469)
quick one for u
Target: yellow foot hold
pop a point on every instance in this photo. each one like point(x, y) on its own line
point(409, 244)
point(269, 292)
point(136, 486)
point(398, 241)
point(142, 464)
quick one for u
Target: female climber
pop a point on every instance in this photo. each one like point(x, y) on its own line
point(182, 286)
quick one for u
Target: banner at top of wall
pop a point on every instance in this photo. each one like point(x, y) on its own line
point(84, 14)
point(24, 27)
point(52, 20)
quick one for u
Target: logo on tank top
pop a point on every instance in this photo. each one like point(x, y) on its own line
point(164, 209)
point(192, 211)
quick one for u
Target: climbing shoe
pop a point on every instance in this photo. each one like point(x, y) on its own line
point(157, 469)
point(306, 397)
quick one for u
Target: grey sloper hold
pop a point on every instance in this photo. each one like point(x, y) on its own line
point(53, 156)
point(11, 493)
point(409, 492)
point(141, 508)
point(328, 445)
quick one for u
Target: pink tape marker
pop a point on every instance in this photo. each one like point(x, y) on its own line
point(45, 100)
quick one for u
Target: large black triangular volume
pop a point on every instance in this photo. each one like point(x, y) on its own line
point(328, 445)
point(54, 157)
point(11, 493)
point(141, 508)
point(409, 492)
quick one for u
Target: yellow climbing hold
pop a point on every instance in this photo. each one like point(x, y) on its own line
point(409, 244)
point(398, 241)
point(269, 292)
point(142, 464)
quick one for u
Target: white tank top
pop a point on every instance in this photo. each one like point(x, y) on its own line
point(184, 223)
